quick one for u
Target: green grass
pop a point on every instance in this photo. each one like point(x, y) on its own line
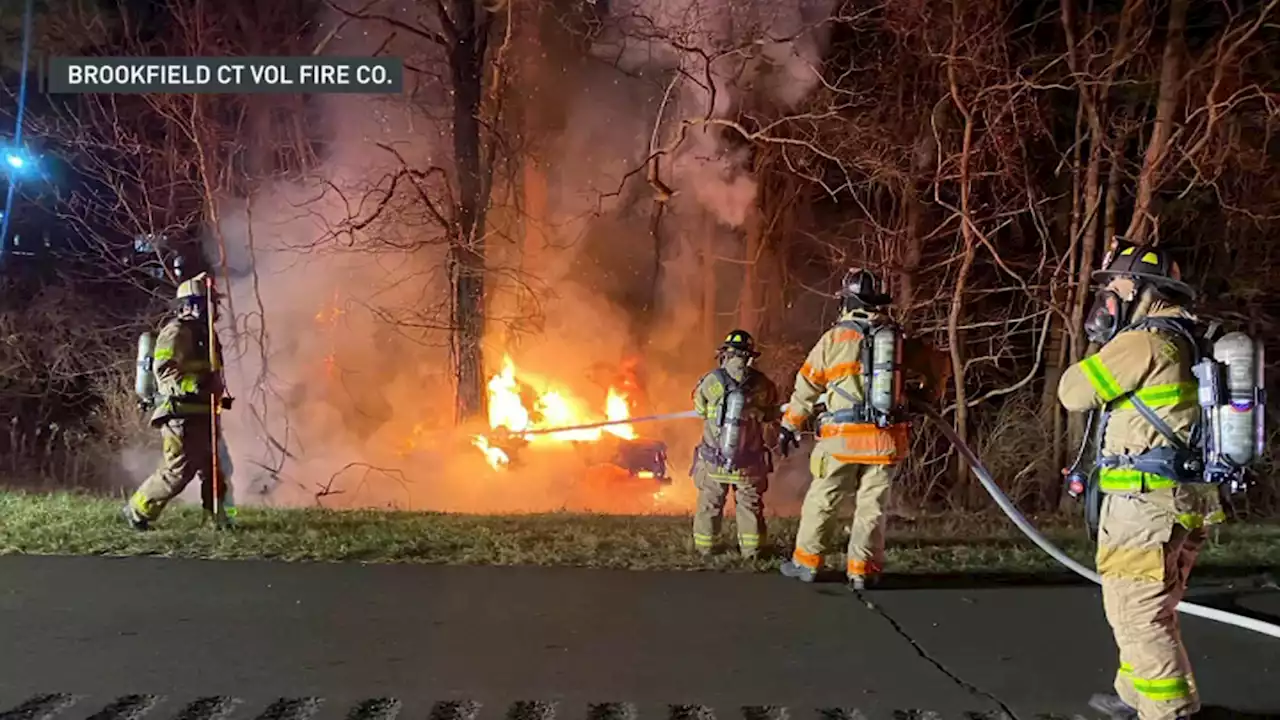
point(71, 524)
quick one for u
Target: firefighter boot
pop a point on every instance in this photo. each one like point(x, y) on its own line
point(858, 583)
point(134, 518)
point(1113, 707)
point(794, 570)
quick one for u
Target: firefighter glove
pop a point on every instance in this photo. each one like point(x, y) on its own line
point(786, 440)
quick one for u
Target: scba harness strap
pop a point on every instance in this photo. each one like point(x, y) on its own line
point(862, 411)
point(763, 463)
point(1176, 463)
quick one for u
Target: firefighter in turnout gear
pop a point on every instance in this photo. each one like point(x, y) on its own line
point(1152, 518)
point(187, 384)
point(737, 402)
point(860, 439)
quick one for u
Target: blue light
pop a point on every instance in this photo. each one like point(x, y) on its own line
point(15, 161)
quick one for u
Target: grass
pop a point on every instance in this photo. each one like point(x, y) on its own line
point(75, 524)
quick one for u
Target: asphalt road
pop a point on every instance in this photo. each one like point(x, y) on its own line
point(124, 639)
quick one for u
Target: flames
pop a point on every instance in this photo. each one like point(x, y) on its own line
point(517, 405)
point(328, 318)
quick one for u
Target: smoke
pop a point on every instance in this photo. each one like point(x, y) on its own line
point(728, 57)
point(340, 362)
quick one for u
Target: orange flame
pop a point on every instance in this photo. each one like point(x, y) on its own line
point(551, 407)
point(329, 317)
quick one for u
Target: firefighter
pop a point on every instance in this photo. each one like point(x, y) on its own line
point(187, 385)
point(1151, 523)
point(737, 402)
point(855, 451)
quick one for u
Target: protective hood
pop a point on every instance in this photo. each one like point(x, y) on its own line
point(736, 365)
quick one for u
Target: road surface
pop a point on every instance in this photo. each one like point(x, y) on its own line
point(156, 639)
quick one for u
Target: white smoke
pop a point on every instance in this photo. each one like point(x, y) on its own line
point(295, 428)
point(728, 56)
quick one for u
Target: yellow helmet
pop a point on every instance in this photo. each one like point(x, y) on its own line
point(193, 287)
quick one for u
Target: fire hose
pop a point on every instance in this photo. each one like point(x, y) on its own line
point(607, 423)
point(989, 484)
point(1006, 505)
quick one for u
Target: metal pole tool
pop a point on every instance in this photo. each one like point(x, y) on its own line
point(215, 402)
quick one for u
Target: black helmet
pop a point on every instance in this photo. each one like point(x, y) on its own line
point(1147, 265)
point(861, 289)
point(739, 341)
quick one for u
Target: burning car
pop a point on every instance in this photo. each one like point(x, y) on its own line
point(524, 412)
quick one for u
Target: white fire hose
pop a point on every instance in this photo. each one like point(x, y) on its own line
point(606, 423)
point(984, 476)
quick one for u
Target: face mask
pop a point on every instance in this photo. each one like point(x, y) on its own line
point(1106, 317)
point(735, 364)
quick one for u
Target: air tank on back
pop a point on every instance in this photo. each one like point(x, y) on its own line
point(735, 403)
point(1240, 417)
point(884, 372)
point(144, 381)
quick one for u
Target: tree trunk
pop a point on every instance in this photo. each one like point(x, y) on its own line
point(913, 209)
point(923, 160)
point(1166, 104)
point(1058, 350)
point(1055, 360)
point(534, 240)
point(466, 248)
point(956, 314)
point(652, 309)
point(748, 303)
point(707, 253)
point(1089, 239)
point(1112, 202)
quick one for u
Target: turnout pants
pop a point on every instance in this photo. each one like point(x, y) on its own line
point(833, 481)
point(1144, 557)
point(188, 453)
point(713, 494)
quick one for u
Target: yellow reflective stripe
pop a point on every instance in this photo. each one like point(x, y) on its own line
point(1130, 480)
point(701, 540)
point(1194, 521)
point(230, 511)
point(1164, 689)
point(1162, 395)
point(748, 540)
point(189, 384)
point(1174, 688)
point(145, 507)
point(1103, 382)
point(162, 354)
